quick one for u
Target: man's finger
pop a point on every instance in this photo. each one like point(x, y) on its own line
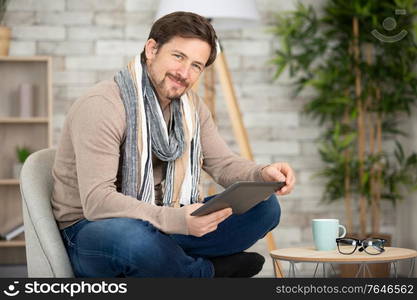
point(289, 178)
point(211, 228)
point(219, 220)
point(286, 170)
point(277, 175)
point(219, 216)
point(285, 191)
point(290, 175)
point(225, 214)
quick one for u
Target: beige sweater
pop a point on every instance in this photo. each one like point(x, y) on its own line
point(87, 159)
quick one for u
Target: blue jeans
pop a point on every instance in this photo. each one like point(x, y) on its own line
point(124, 247)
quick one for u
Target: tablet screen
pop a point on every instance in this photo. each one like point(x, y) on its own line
point(240, 196)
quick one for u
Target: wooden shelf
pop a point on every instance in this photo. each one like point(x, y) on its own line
point(12, 243)
point(25, 58)
point(34, 132)
point(16, 120)
point(9, 181)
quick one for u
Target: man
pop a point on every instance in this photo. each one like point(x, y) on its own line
point(128, 164)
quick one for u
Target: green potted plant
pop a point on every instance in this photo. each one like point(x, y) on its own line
point(5, 32)
point(22, 153)
point(362, 72)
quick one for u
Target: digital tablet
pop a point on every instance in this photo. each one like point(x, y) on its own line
point(240, 196)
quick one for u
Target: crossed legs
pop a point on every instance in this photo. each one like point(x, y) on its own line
point(135, 248)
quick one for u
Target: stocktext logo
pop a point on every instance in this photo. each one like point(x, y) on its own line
point(11, 289)
point(70, 289)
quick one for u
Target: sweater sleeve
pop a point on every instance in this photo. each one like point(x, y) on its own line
point(219, 161)
point(97, 129)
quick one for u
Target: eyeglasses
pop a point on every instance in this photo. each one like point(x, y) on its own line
point(373, 246)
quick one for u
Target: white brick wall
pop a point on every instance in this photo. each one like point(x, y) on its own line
point(94, 32)
point(122, 18)
point(22, 48)
point(90, 40)
point(39, 33)
point(275, 148)
point(137, 32)
point(36, 5)
point(141, 5)
point(247, 47)
point(95, 5)
point(93, 62)
point(65, 48)
point(64, 18)
point(74, 77)
point(15, 18)
point(271, 119)
point(119, 47)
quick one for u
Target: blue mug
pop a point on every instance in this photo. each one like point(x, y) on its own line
point(325, 233)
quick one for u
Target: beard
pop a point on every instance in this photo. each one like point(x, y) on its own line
point(173, 93)
point(163, 88)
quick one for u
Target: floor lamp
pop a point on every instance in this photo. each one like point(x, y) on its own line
point(225, 14)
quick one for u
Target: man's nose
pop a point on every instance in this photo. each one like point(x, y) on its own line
point(184, 71)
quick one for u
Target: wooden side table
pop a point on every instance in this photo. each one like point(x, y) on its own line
point(308, 254)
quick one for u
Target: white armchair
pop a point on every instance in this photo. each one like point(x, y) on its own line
point(45, 251)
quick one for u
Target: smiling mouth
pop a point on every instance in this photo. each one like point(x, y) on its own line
point(177, 82)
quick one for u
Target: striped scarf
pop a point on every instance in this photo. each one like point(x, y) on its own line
point(147, 134)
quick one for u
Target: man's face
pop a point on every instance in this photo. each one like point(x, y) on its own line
point(176, 65)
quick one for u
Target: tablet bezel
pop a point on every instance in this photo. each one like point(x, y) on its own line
point(234, 197)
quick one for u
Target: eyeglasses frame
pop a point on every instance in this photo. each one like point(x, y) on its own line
point(360, 243)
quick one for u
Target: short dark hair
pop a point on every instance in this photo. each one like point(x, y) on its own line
point(186, 25)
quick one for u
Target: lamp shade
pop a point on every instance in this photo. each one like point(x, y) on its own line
point(225, 14)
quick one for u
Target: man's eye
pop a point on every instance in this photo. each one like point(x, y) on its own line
point(197, 67)
point(177, 56)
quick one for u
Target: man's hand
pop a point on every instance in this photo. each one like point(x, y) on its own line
point(201, 225)
point(280, 172)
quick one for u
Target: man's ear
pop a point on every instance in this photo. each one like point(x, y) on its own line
point(151, 48)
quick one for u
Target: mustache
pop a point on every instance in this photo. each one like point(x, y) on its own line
point(183, 81)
